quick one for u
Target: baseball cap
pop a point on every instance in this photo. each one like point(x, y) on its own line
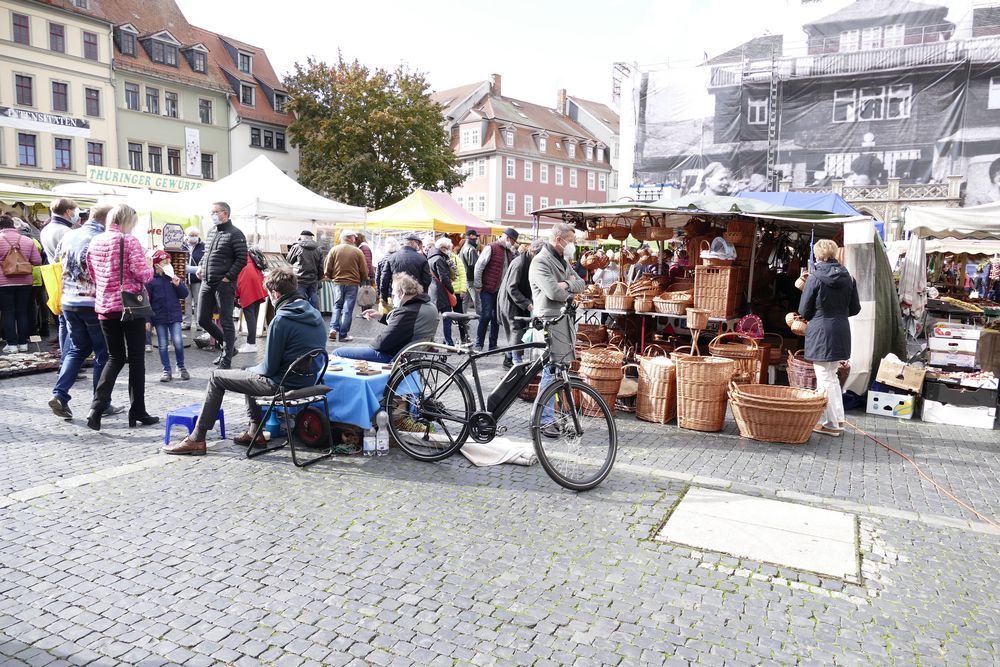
point(512, 233)
point(161, 256)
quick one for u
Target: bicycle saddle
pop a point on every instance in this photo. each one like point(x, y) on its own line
point(460, 317)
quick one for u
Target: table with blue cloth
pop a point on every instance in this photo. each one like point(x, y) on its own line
point(354, 399)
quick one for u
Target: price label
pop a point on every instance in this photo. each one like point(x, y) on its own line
point(34, 339)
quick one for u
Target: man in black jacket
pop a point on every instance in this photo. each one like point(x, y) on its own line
point(514, 300)
point(307, 260)
point(225, 256)
point(408, 259)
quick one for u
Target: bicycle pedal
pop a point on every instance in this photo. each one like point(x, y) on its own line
point(501, 430)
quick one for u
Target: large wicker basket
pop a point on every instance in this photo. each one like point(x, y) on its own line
point(697, 318)
point(715, 289)
point(701, 391)
point(617, 298)
point(596, 333)
point(743, 350)
point(657, 398)
point(776, 414)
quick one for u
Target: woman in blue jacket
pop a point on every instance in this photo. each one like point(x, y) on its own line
point(166, 291)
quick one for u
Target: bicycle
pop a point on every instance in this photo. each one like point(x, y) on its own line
point(432, 411)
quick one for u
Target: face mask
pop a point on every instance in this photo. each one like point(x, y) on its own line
point(76, 216)
point(215, 218)
point(569, 252)
point(396, 301)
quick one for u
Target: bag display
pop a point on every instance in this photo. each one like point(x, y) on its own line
point(135, 305)
point(15, 263)
point(366, 296)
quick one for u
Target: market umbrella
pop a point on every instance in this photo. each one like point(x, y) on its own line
point(913, 284)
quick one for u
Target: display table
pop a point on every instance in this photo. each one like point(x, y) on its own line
point(716, 325)
point(354, 399)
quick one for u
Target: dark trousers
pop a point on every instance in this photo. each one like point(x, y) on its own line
point(220, 298)
point(85, 336)
point(463, 327)
point(14, 309)
point(250, 315)
point(488, 318)
point(311, 293)
point(242, 382)
point(126, 345)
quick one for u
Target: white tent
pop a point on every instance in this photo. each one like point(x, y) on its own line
point(973, 222)
point(267, 204)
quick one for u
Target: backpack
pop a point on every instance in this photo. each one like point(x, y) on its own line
point(257, 257)
point(15, 263)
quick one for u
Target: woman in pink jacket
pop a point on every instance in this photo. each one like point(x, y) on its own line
point(15, 290)
point(115, 261)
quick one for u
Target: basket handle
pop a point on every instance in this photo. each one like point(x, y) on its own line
point(704, 245)
point(659, 347)
point(775, 335)
point(689, 348)
point(580, 335)
point(752, 345)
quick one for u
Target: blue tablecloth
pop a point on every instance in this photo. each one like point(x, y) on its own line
point(354, 399)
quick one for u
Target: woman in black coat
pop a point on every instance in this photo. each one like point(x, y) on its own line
point(828, 300)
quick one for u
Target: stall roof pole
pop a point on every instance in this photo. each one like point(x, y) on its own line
point(753, 261)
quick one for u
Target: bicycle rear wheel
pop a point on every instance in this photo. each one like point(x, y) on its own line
point(581, 451)
point(429, 407)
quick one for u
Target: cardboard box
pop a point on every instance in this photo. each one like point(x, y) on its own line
point(953, 345)
point(955, 330)
point(887, 404)
point(956, 415)
point(953, 394)
point(959, 359)
point(901, 376)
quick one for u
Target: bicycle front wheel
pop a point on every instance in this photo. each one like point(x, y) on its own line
point(429, 407)
point(577, 441)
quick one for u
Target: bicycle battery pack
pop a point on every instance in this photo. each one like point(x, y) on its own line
point(507, 384)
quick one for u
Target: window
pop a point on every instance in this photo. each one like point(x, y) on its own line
point(467, 168)
point(573, 202)
point(126, 42)
point(279, 141)
point(511, 203)
point(508, 137)
point(543, 173)
point(542, 144)
point(543, 202)
point(757, 111)
point(245, 63)
point(90, 45)
point(82, 4)
point(871, 103)
point(849, 40)
point(57, 37)
point(135, 156)
point(161, 52)
point(470, 137)
point(510, 168)
point(268, 139)
point(892, 35)
point(559, 201)
point(255, 136)
point(481, 167)
point(898, 103)
point(591, 180)
point(207, 166)
point(63, 154)
point(156, 159)
point(60, 96)
point(994, 99)
point(198, 61)
point(152, 100)
point(170, 105)
point(481, 204)
point(571, 147)
point(95, 154)
point(602, 182)
point(572, 178)
point(559, 175)
point(174, 161)
point(600, 155)
point(529, 204)
point(23, 90)
point(132, 96)
point(844, 106)
point(279, 102)
point(529, 167)
point(246, 95)
point(21, 29)
point(871, 38)
point(205, 111)
point(589, 152)
point(26, 153)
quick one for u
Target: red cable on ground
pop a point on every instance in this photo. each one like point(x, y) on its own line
point(920, 471)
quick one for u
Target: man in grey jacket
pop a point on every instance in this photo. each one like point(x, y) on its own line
point(469, 255)
point(553, 283)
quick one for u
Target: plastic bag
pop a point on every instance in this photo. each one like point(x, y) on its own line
point(52, 279)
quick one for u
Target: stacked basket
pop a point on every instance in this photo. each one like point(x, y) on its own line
point(616, 297)
point(674, 302)
point(741, 349)
point(776, 414)
point(701, 391)
point(601, 368)
point(657, 397)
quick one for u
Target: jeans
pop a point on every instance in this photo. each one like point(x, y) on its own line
point(463, 327)
point(548, 410)
point(221, 296)
point(363, 354)
point(488, 318)
point(63, 335)
point(250, 315)
point(84, 336)
point(166, 334)
point(344, 298)
point(827, 380)
point(125, 346)
point(14, 310)
point(242, 382)
point(311, 293)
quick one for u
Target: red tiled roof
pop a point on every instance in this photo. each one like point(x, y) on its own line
point(601, 112)
point(453, 96)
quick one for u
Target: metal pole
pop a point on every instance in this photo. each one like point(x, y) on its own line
point(753, 260)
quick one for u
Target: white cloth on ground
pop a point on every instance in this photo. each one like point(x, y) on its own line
point(500, 450)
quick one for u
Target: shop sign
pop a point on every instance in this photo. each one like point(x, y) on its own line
point(140, 179)
point(37, 121)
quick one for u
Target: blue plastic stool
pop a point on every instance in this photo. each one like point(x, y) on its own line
point(188, 416)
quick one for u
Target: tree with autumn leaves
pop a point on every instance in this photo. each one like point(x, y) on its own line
point(368, 137)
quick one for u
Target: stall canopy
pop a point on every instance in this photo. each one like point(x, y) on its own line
point(829, 202)
point(423, 210)
point(972, 222)
point(11, 194)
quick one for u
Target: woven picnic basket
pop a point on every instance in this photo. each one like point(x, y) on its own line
point(776, 414)
point(616, 297)
point(743, 350)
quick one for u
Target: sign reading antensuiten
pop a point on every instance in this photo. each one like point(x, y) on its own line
point(140, 179)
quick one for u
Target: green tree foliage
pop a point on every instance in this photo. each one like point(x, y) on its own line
point(368, 137)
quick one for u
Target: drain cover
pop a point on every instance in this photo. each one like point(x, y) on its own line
point(770, 531)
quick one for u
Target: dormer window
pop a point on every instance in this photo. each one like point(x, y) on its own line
point(508, 137)
point(198, 62)
point(246, 95)
point(589, 152)
point(571, 148)
point(542, 144)
point(600, 155)
point(279, 102)
point(245, 63)
point(126, 41)
point(470, 137)
point(162, 52)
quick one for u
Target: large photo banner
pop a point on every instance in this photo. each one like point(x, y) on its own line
point(864, 93)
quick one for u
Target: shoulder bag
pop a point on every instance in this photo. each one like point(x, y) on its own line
point(135, 305)
point(15, 263)
point(452, 299)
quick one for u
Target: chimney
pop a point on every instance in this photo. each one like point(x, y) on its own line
point(495, 85)
point(561, 101)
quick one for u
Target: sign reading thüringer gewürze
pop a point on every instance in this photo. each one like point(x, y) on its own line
point(141, 179)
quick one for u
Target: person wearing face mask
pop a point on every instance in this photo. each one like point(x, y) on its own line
point(65, 215)
point(554, 282)
point(490, 270)
point(469, 255)
point(220, 268)
point(413, 319)
point(195, 250)
point(514, 301)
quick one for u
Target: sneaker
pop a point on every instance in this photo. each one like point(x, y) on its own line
point(165, 376)
point(218, 359)
point(10, 349)
point(551, 430)
point(226, 363)
point(247, 348)
point(333, 336)
point(60, 408)
point(184, 374)
point(149, 348)
point(828, 430)
point(22, 348)
point(346, 339)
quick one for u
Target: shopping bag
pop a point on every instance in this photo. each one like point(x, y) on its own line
point(52, 279)
point(366, 297)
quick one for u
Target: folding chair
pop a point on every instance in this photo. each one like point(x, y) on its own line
point(285, 398)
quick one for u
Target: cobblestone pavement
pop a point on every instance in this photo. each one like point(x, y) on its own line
point(112, 554)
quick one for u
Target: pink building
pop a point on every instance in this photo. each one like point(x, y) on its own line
point(519, 156)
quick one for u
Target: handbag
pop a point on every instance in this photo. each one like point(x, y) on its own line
point(367, 296)
point(452, 299)
point(135, 305)
point(15, 263)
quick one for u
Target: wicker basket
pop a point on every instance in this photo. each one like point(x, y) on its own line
point(643, 305)
point(697, 318)
point(743, 351)
point(800, 372)
point(657, 369)
point(701, 391)
point(777, 347)
point(703, 370)
point(776, 414)
point(738, 226)
point(657, 397)
point(715, 290)
point(596, 333)
point(670, 307)
point(620, 301)
point(530, 392)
